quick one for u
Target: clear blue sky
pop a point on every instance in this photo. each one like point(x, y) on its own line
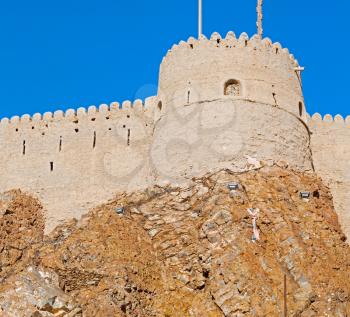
point(71, 53)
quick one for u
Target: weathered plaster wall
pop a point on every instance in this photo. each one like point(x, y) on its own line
point(331, 155)
point(209, 135)
point(197, 70)
point(93, 154)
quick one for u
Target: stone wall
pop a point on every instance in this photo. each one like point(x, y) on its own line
point(331, 155)
point(75, 160)
point(218, 134)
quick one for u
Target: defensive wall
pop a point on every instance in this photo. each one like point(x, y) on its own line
point(75, 160)
point(220, 102)
point(330, 141)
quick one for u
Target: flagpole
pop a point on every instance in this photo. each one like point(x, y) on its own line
point(199, 18)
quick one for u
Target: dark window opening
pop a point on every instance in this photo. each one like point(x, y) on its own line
point(94, 142)
point(51, 166)
point(128, 116)
point(128, 141)
point(300, 109)
point(93, 119)
point(24, 148)
point(32, 128)
point(188, 96)
point(124, 126)
point(16, 130)
point(232, 88)
point(160, 106)
point(107, 118)
point(60, 145)
point(76, 121)
point(76, 130)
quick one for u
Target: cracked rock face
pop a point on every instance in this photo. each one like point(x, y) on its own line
point(188, 252)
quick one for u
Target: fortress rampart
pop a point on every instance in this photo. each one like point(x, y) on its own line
point(74, 160)
point(331, 155)
point(219, 103)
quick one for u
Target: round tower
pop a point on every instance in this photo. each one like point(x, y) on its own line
point(226, 100)
point(240, 68)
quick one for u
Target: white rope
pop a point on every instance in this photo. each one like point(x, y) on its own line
point(254, 213)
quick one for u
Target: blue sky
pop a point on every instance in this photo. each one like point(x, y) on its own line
point(71, 53)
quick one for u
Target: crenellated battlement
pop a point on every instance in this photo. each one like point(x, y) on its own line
point(249, 68)
point(338, 120)
point(138, 106)
point(232, 42)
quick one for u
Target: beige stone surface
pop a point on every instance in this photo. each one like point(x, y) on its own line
point(197, 70)
point(92, 152)
point(331, 156)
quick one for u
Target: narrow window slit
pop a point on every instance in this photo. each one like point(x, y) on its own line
point(128, 142)
point(51, 166)
point(94, 142)
point(188, 97)
point(24, 147)
point(160, 106)
point(300, 109)
point(60, 145)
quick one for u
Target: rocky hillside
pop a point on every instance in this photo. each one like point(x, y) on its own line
point(181, 252)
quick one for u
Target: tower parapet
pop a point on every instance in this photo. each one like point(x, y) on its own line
point(253, 69)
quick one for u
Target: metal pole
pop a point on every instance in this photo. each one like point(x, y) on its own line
point(199, 18)
point(259, 22)
point(285, 295)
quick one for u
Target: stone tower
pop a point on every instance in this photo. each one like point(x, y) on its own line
point(222, 100)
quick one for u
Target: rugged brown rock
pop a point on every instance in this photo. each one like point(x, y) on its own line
point(181, 252)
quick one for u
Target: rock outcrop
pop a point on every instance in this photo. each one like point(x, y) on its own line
point(182, 252)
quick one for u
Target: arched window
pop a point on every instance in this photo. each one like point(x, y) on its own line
point(300, 109)
point(232, 88)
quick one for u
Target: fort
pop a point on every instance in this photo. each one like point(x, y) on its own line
point(221, 102)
